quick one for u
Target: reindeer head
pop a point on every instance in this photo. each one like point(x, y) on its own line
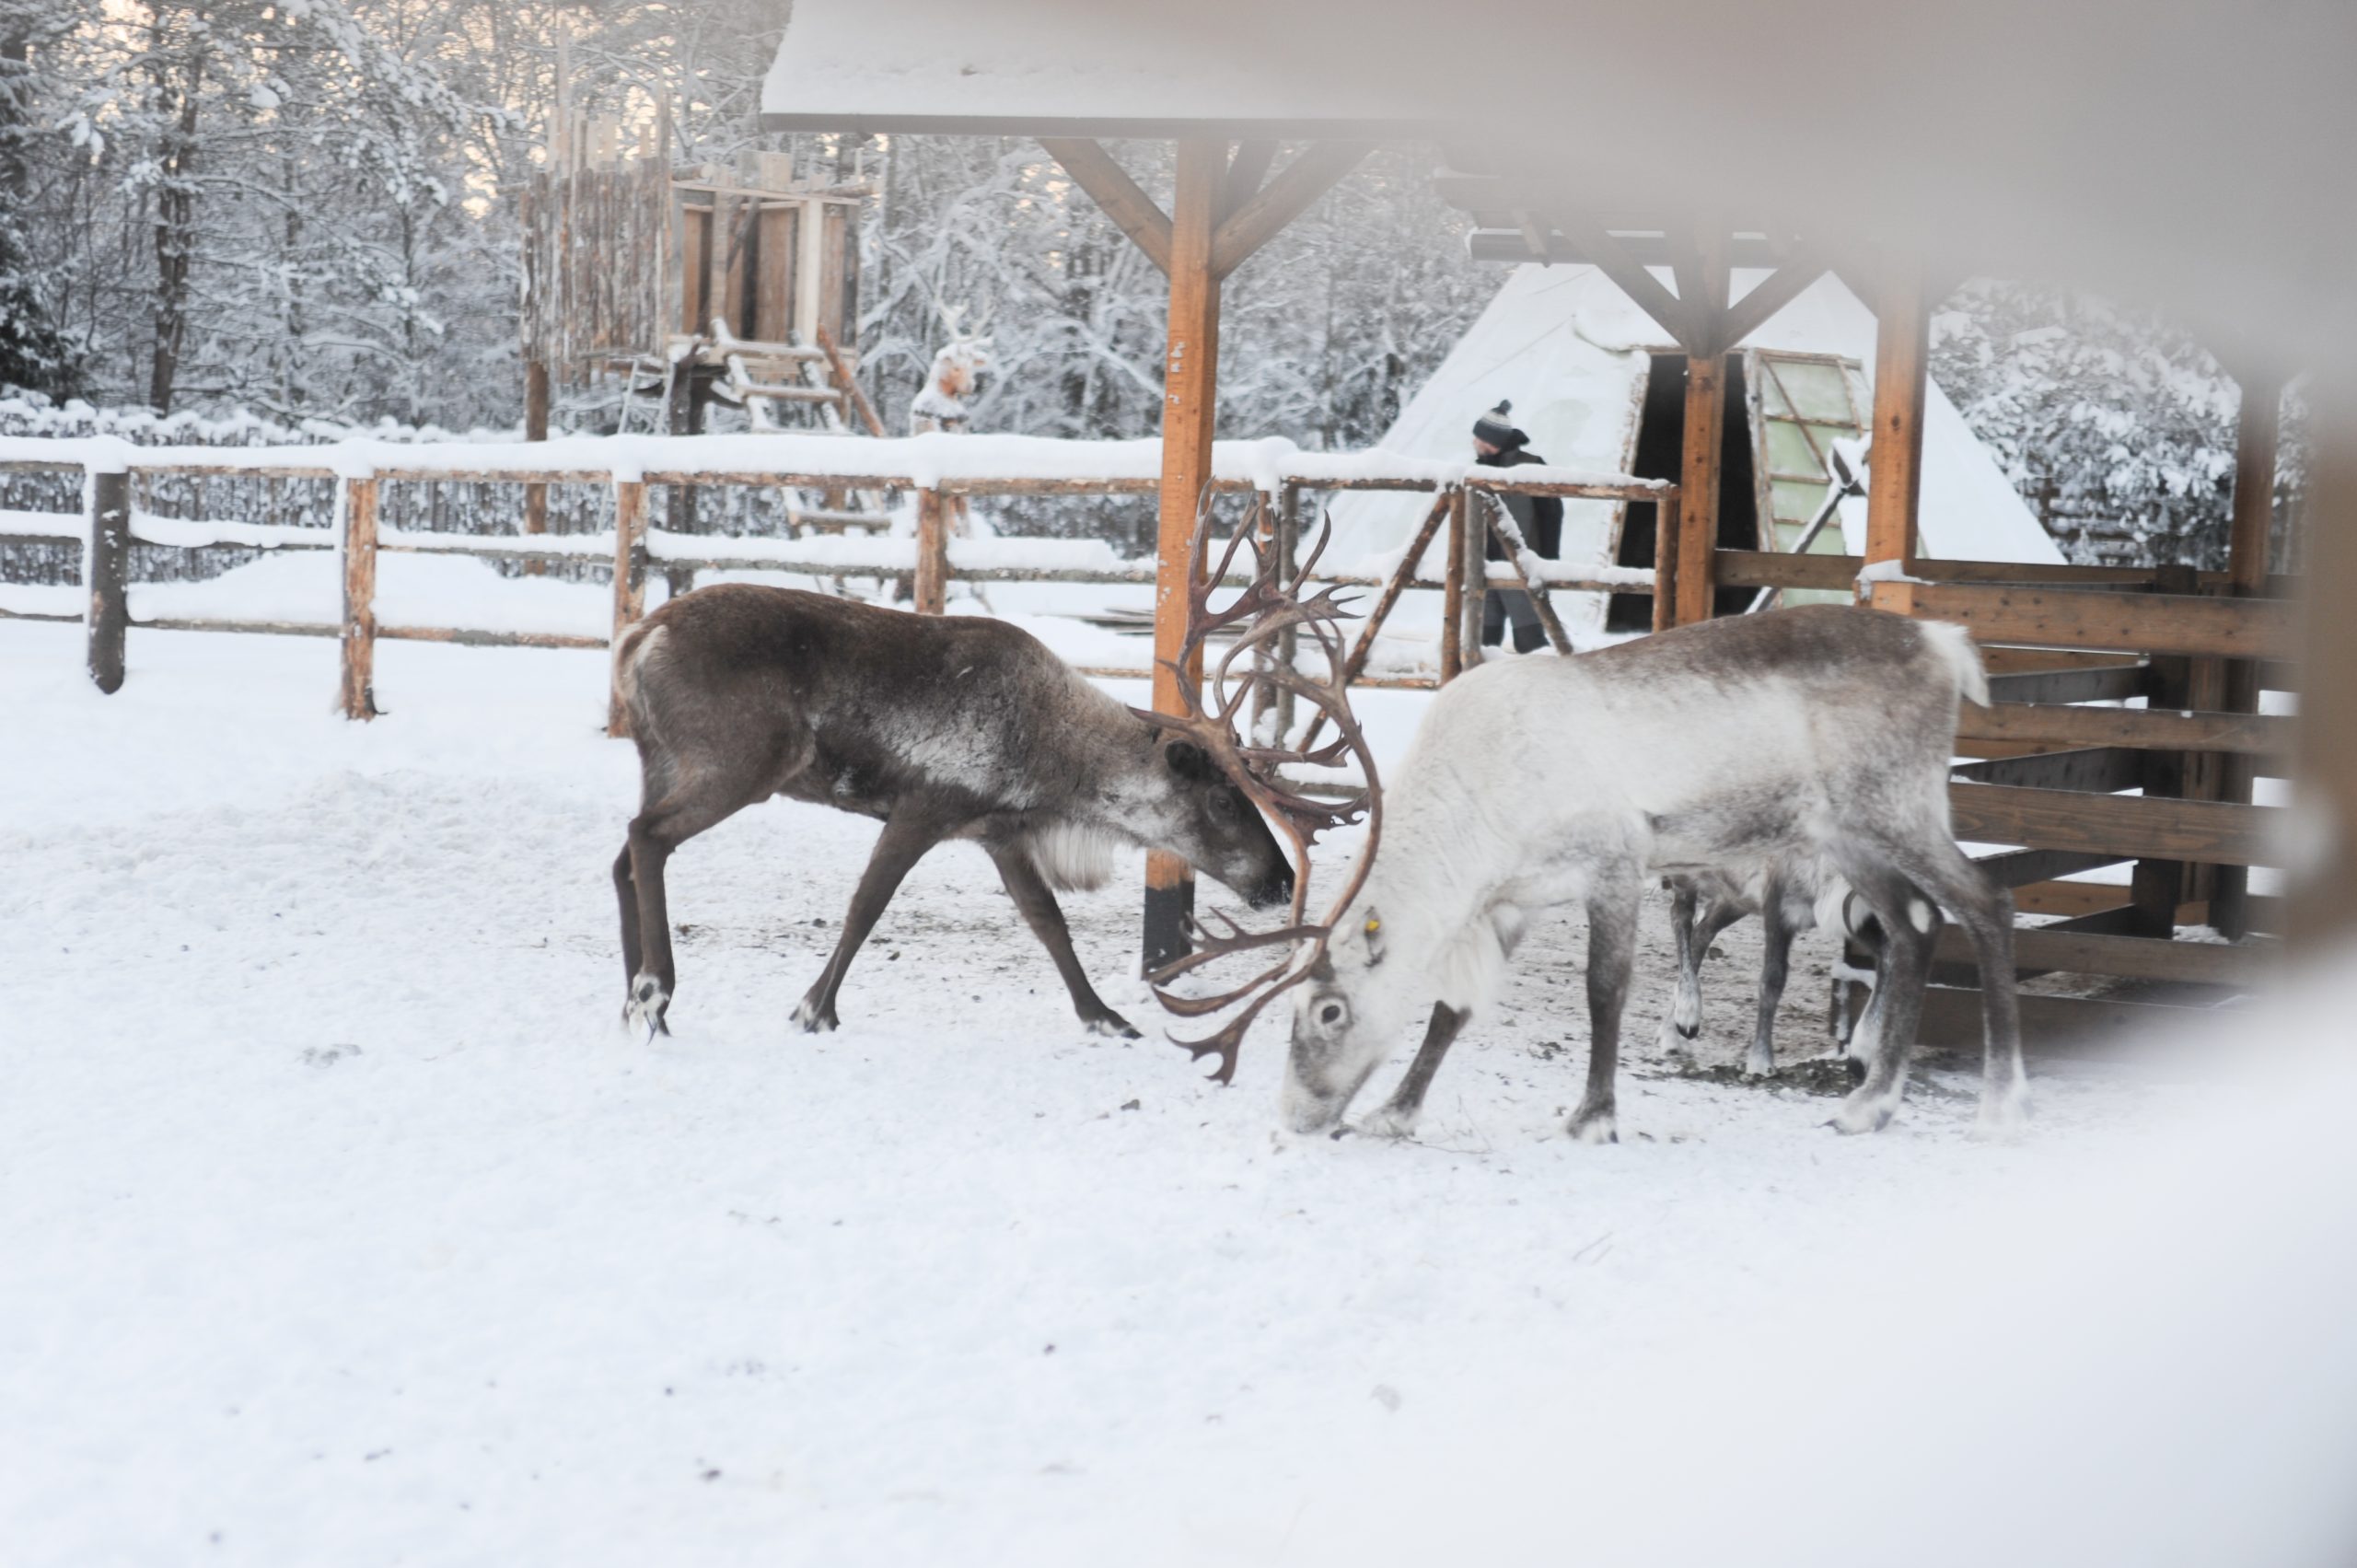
point(1266, 609)
point(963, 358)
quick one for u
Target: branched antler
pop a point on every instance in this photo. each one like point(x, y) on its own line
point(1269, 605)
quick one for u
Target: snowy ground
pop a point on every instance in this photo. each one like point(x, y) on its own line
point(342, 1225)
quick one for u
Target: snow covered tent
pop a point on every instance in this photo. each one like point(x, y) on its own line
point(1596, 384)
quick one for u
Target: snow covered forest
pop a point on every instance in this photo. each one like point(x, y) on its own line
point(307, 210)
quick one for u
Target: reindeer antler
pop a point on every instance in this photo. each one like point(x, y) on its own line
point(1269, 605)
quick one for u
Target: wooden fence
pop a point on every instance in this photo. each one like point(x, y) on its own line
point(108, 529)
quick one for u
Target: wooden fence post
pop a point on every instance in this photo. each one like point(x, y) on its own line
point(1452, 591)
point(536, 429)
point(359, 695)
point(1473, 539)
point(630, 583)
point(932, 555)
point(1668, 511)
point(105, 566)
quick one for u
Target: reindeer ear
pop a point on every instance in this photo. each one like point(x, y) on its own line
point(1189, 760)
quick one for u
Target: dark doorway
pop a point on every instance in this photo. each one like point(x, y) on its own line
point(1660, 439)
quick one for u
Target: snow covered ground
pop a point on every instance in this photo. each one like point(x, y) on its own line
point(342, 1225)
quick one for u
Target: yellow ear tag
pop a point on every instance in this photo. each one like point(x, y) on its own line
point(1373, 927)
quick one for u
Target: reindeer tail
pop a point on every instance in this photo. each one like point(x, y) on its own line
point(1955, 647)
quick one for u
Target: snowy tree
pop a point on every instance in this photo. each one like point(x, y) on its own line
point(2119, 425)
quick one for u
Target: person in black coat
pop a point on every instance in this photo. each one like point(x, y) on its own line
point(1497, 443)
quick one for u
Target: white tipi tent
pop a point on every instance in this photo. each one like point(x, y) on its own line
point(1575, 356)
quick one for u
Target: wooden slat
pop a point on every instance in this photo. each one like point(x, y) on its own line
point(2060, 1026)
point(2248, 735)
point(2098, 770)
point(2019, 868)
point(2164, 623)
point(2071, 899)
point(2131, 957)
point(2092, 683)
point(2209, 832)
point(1771, 569)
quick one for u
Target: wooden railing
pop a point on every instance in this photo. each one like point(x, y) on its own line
point(931, 562)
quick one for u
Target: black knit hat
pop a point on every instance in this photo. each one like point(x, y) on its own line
point(1497, 428)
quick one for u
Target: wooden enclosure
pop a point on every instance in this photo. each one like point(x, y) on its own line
point(634, 266)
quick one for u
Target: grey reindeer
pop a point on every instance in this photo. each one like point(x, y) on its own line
point(941, 727)
point(1821, 732)
point(1789, 899)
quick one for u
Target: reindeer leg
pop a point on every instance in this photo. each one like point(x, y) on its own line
point(1776, 941)
point(1986, 911)
point(903, 842)
point(1032, 895)
point(646, 915)
point(1885, 1036)
point(1397, 1117)
point(1611, 958)
point(1683, 1020)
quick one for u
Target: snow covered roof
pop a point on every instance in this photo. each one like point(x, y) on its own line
point(1573, 352)
point(1241, 66)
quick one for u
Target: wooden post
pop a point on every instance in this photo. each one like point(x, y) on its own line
point(1189, 390)
point(359, 695)
point(1472, 539)
point(1698, 487)
point(536, 429)
point(1895, 472)
point(2322, 913)
point(630, 582)
point(932, 555)
point(1667, 513)
point(106, 567)
point(2255, 438)
point(2156, 886)
point(1452, 590)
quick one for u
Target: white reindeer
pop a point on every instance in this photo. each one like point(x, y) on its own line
point(942, 404)
point(1815, 734)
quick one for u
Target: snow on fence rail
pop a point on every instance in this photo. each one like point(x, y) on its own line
point(931, 467)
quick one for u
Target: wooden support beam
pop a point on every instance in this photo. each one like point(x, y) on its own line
point(630, 584)
point(1671, 314)
point(1245, 170)
point(359, 650)
point(2321, 911)
point(1669, 531)
point(2062, 618)
point(1750, 313)
point(107, 566)
point(1698, 488)
point(1190, 385)
point(1109, 186)
point(2204, 831)
point(1895, 472)
point(1312, 173)
point(2257, 436)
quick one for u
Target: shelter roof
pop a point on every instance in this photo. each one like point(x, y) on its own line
point(1233, 67)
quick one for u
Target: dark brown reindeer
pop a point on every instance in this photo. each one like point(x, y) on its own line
point(939, 726)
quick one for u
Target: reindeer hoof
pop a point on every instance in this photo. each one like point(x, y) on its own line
point(649, 1002)
point(1112, 1025)
point(1687, 1031)
point(1595, 1127)
point(1393, 1121)
point(812, 1019)
point(1863, 1112)
point(1760, 1064)
point(2004, 1116)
